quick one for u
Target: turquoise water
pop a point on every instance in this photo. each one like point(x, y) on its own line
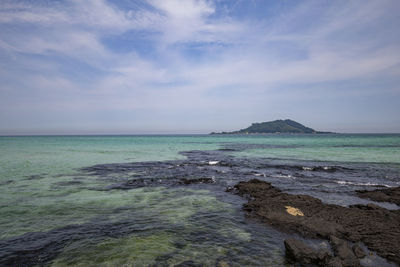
point(345, 148)
point(43, 189)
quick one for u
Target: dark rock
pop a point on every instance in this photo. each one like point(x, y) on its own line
point(358, 251)
point(299, 252)
point(179, 245)
point(197, 181)
point(391, 195)
point(369, 206)
point(162, 260)
point(147, 182)
point(226, 149)
point(222, 263)
point(342, 249)
point(376, 227)
point(137, 183)
point(188, 264)
point(334, 262)
point(230, 189)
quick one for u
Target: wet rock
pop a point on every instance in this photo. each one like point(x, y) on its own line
point(197, 181)
point(148, 182)
point(376, 227)
point(222, 263)
point(230, 189)
point(334, 262)
point(299, 252)
point(342, 249)
point(189, 263)
point(391, 195)
point(343, 255)
point(137, 183)
point(179, 245)
point(358, 251)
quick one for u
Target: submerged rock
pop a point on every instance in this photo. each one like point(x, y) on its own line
point(358, 251)
point(391, 195)
point(148, 182)
point(188, 263)
point(222, 263)
point(376, 227)
point(197, 181)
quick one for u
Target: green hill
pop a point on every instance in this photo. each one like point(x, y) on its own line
point(277, 126)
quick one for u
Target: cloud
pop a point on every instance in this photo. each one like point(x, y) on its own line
point(189, 56)
point(188, 21)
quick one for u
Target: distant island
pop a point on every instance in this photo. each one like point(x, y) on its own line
point(277, 126)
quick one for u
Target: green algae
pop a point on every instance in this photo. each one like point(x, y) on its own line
point(182, 212)
point(129, 251)
point(234, 232)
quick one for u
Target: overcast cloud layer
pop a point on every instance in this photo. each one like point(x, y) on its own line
point(170, 66)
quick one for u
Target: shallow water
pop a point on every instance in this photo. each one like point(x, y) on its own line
point(115, 200)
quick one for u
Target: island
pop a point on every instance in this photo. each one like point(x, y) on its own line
point(277, 126)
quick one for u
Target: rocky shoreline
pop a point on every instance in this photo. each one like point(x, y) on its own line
point(343, 227)
point(391, 195)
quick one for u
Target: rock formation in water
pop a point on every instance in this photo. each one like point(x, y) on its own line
point(391, 195)
point(376, 227)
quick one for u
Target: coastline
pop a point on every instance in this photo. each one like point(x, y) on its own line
point(376, 227)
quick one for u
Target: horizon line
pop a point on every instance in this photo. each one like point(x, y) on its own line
point(188, 134)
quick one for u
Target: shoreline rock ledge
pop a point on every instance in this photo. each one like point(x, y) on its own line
point(391, 195)
point(376, 227)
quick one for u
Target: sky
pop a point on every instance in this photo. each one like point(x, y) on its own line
point(196, 66)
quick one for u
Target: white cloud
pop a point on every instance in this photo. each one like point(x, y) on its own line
point(244, 62)
point(242, 55)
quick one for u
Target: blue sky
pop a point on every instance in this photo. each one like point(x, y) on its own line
point(195, 66)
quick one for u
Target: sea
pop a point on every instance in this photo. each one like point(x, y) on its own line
point(120, 200)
